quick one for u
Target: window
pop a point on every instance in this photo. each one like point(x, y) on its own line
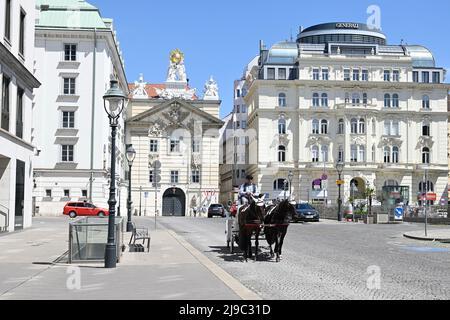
point(69, 86)
point(282, 74)
point(174, 145)
point(316, 74)
point(355, 75)
point(270, 73)
point(281, 154)
point(436, 77)
point(48, 193)
point(324, 153)
point(238, 109)
point(19, 113)
point(316, 100)
point(341, 154)
point(425, 77)
point(279, 185)
point(238, 93)
point(354, 153)
point(395, 154)
point(365, 99)
point(67, 153)
point(426, 102)
point(426, 186)
point(395, 128)
point(195, 176)
point(244, 124)
point(315, 127)
point(362, 154)
point(153, 146)
point(426, 156)
point(282, 126)
point(387, 128)
point(324, 100)
point(362, 126)
point(341, 126)
point(346, 74)
point(243, 109)
point(347, 97)
point(324, 127)
point(22, 32)
point(325, 74)
point(84, 193)
point(356, 99)
point(5, 103)
point(8, 20)
point(415, 76)
point(387, 100)
point(196, 146)
point(387, 75)
point(426, 131)
point(396, 76)
point(68, 119)
point(66, 193)
point(365, 75)
point(173, 177)
point(354, 126)
point(395, 101)
point(374, 153)
point(315, 154)
point(387, 155)
point(282, 100)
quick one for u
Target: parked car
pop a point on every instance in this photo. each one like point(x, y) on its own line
point(216, 210)
point(84, 209)
point(306, 213)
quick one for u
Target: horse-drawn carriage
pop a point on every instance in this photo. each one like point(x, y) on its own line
point(259, 221)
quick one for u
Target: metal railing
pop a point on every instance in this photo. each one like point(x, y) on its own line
point(4, 218)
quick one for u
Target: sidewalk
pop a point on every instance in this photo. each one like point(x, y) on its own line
point(172, 270)
point(442, 235)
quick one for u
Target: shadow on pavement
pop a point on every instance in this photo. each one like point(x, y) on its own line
point(224, 253)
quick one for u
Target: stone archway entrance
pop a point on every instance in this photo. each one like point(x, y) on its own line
point(357, 188)
point(174, 203)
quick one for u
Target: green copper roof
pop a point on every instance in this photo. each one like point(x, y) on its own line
point(74, 14)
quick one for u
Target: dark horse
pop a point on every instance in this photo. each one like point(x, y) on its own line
point(277, 223)
point(250, 219)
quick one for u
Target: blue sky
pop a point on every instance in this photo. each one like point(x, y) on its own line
point(220, 37)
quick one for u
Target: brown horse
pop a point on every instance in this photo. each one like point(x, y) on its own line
point(250, 219)
point(277, 223)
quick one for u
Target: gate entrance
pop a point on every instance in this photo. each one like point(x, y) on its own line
point(174, 203)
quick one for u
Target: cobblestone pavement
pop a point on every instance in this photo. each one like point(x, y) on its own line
point(328, 260)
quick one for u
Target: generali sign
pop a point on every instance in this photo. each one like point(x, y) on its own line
point(345, 25)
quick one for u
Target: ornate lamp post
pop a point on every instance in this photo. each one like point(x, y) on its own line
point(340, 169)
point(131, 155)
point(114, 102)
point(290, 178)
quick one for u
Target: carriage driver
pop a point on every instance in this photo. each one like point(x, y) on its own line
point(248, 189)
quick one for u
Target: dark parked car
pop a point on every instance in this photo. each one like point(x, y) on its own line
point(216, 210)
point(306, 213)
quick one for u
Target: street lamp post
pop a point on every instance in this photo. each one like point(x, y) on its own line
point(285, 183)
point(114, 102)
point(290, 178)
point(131, 155)
point(340, 169)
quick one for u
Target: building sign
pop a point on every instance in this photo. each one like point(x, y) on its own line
point(347, 26)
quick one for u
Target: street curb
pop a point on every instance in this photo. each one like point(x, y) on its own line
point(426, 239)
point(243, 292)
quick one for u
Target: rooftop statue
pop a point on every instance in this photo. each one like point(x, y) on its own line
point(177, 70)
point(139, 88)
point(211, 90)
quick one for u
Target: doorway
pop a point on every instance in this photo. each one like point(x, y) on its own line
point(174, 203)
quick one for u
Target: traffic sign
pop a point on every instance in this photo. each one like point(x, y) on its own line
point(399, 211)
point(431, 196)
point(340, 182)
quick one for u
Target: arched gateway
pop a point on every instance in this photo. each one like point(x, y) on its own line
point(174, 203)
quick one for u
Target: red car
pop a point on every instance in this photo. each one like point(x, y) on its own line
point(84, 209)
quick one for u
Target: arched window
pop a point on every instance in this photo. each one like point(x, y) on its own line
point(426, 186)
point(316, 126)
point(341, 126)
point(387, 155)
point(281, 154)
point(395, 154)
point(426, 155)
point(362, 126)
point(355, 99)
point(282, 126)
point(365, 99)
point(316, 100)
point(387, 100)
point(325, 153)
point(395, 101)
point(282, 100)
point(426, 102)
point(324, 100)
point(362, 154)
point(426, 131)
point(278, 185)
point(354, 125)
point(324, 127)
point(315, 154)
